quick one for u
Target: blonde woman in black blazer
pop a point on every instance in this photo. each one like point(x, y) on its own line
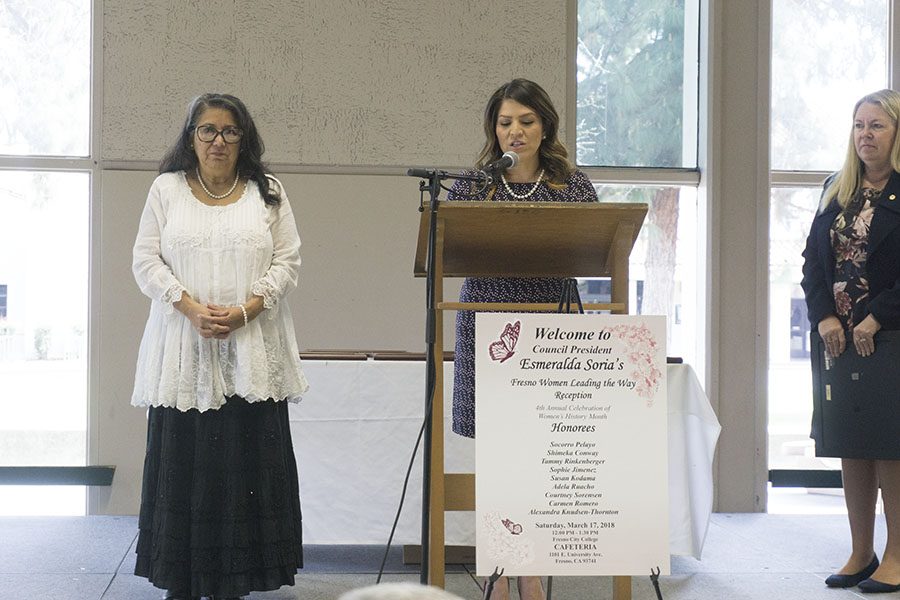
point(851, 279)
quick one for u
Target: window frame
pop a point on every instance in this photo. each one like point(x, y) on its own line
point(812, 179)
point(91, 166)
point(682, 176)
point(664, 176)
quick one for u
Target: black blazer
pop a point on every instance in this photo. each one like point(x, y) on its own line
point(882, 261)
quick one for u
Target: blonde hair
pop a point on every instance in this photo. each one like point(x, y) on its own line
point(848, 180)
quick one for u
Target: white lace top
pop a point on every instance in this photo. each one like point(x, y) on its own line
point(223, 255)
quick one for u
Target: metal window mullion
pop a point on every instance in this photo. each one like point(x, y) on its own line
point(94, 499)
point(781, 179)
point(643, 176)
point(45, 163)
point(571, 107)
point(893, 45)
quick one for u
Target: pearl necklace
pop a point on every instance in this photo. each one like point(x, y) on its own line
point(216, 196)
point(522, 196)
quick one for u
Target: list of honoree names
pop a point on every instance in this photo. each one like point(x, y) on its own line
point(573, 510)
point(579, 405)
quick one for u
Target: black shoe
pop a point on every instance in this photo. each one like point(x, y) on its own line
point(845, 581)
point(873, 586)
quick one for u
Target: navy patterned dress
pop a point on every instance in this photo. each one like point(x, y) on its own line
point(850, 241)
point(578, 188)
point(849, 235)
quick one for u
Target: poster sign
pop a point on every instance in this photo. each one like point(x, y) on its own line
point(571, 447)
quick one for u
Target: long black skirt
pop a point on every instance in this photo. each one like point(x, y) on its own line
point(220, 504)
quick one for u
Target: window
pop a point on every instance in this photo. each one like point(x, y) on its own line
point(637, 121)
point(45, 97)
point(45, 191)
point(814, 87)
point(663, 282)
point(815, 84)
point(637, 64)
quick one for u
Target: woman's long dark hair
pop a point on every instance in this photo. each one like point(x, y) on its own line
point(181, 156)
point(552, 155)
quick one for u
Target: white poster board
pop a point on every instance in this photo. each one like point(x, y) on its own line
point(571, 446)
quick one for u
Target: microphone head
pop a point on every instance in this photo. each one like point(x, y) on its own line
point(513, 157)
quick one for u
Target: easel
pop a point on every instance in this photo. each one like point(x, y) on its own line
point(510, 239)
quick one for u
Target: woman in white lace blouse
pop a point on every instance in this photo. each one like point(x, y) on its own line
point(217, 249)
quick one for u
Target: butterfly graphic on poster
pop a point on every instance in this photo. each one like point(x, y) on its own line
point(505, 347)
point(514, 528)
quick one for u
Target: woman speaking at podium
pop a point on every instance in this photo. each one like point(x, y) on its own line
point(851, 279)
point(519, 118)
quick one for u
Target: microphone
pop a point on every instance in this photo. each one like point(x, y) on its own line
point(507, 161)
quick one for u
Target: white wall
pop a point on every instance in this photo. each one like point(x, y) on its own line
point(347, 82)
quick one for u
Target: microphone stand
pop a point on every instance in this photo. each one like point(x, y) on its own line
point(433, 185)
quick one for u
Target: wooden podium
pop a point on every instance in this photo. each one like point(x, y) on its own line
point(515, 239)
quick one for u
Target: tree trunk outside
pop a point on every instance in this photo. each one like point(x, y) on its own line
point(659, 285)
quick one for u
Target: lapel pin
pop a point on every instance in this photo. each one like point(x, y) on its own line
point(892, 197)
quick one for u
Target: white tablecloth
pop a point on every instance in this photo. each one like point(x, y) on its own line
point(355, 430)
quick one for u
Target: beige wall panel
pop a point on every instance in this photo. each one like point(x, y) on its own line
point(393, 82)
point(120, 433)
point(357, 288)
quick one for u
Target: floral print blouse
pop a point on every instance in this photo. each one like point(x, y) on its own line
point(850, 242)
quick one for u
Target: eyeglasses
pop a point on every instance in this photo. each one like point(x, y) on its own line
point(208, 133)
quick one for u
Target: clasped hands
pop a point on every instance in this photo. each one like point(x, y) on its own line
point(832, 333)
point(211, 320)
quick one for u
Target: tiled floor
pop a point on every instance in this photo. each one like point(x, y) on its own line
point(746, 556)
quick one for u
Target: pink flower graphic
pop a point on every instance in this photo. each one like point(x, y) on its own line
point(642, 349)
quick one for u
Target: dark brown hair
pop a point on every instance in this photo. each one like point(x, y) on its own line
point(552, 155)
point(181, 156)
